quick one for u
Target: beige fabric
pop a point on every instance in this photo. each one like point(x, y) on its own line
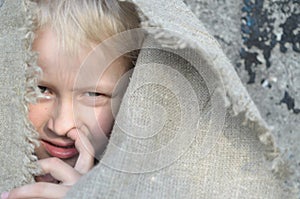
point(15, 149)
point(182, 157)
point(187, 127)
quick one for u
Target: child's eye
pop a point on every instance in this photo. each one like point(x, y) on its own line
point(94, 98)
point(43, 89)
point(46, 92)
point(93, 94)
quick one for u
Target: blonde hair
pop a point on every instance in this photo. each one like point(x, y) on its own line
point(85, 22)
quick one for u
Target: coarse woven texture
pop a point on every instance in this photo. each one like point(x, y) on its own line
point(16, 138)
point(181, 157)
point(187, 128)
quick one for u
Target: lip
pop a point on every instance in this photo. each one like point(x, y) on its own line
point(60, 150)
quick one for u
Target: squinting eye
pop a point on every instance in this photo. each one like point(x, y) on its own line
point(93, 94)
point(94, 98)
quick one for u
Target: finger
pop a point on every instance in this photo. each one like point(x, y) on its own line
point(85, 161)
point(39, 190)
point(59, 170)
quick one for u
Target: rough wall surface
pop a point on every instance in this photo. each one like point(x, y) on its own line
point(262, 40)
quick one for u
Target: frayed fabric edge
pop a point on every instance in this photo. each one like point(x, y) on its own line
point(31, 92)
point(239, 103)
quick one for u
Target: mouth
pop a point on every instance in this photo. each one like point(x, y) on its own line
point(61, 151)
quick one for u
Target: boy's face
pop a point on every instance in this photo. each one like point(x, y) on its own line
point(78, 97)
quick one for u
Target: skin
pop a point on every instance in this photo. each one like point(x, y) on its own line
point(76, 110)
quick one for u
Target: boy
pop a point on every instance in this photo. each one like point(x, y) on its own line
point(74, 117)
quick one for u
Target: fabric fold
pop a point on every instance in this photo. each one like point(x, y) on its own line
point(17, 137)
point(186, 127)
point(181, 131)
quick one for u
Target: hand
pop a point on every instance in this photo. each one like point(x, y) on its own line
point(61, 171)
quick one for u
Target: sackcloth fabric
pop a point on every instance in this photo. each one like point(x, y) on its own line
point(186, 128)
point(17, 138)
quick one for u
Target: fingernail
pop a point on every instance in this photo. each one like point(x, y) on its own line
point(4, 195)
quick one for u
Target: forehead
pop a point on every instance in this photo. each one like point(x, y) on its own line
point(89, 64)
point(50, 48)
point(47, 42)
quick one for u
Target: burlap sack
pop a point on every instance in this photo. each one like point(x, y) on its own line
point(186, 128)
point(16, 136)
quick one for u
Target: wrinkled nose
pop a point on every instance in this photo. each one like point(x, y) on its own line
point(63, 119)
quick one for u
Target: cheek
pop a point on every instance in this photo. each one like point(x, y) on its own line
point(97, 120)
point(104, 120)
point(38, 115)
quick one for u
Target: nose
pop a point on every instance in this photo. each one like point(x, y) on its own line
point(62, 119)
